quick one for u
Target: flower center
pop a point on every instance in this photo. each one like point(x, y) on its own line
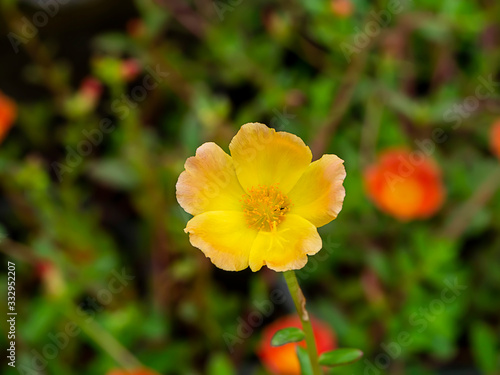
point(265, 207)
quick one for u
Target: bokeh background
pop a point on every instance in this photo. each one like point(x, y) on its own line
point(111, 97)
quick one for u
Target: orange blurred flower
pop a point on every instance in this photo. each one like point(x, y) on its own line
point(8, 114)
point(143, 371)
point(405, 184)
point(495, 138)
point(342, 8)
point(283, 360)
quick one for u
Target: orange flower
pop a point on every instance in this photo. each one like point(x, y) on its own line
point(8, 114)
point(495, 138)
point(283, 360)
point(143, 371)
point(406, 185)
point(342, 8)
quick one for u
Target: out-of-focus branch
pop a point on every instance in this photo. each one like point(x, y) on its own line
point(340, 105)
point(464, 214)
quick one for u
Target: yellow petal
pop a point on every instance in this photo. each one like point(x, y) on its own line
point(209, 182)
point(263, 156)
point(319, 194)
point(224, 237)
point(287, 247)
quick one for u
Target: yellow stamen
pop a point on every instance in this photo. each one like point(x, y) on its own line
point(265, 207)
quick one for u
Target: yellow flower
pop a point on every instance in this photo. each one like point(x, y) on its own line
point(261, 205)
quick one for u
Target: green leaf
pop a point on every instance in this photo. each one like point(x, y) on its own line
point(220, 364)
point(483, 347)
point(340, 357)
point(287, 335)
point(112, 43)
point(305, 363)
point(115, 173)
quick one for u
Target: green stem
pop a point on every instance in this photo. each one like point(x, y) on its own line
point(300, 304)
point(104, 340)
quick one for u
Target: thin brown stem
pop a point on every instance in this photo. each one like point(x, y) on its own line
point(463, 216)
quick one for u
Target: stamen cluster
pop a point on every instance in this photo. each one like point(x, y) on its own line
point(265, 207)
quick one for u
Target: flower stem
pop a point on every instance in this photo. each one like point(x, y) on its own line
point(300, 304)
